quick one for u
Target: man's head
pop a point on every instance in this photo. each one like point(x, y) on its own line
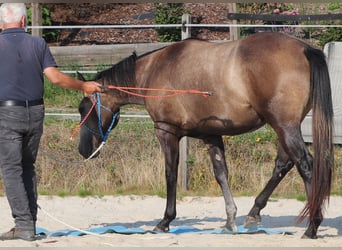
point(13, 15)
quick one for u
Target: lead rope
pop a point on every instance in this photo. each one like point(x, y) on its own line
point(84, 119)
point(69, 226)
point(174, 92)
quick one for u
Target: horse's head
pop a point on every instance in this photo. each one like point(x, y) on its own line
point(99, 115)
point(100, 112)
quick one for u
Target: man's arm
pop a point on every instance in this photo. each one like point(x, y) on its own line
point(65, 81)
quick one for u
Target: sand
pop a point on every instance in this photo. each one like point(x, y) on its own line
point(145, 211)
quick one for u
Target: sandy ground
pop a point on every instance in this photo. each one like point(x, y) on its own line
point(145, 211)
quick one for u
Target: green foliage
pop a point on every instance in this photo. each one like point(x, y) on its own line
point(301, 197)
point(333, 6)
point(49, 35)
point(170, 13)
point(329, 35)
point(83, 192)
point(63, 193)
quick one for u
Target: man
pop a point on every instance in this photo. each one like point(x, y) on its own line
point(23, 61)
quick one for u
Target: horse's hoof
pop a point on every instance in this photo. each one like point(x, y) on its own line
point(252, 221)
point(231, 227)
point(161, 230)
point(312, 237)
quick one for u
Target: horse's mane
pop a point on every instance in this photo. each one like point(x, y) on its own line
point(123, 73)
point(120, 74)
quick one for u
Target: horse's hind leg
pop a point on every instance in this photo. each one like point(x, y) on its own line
point(282, 166)
point(216, 152)
point(305, 171)
point(292, 146)
point(300, 155)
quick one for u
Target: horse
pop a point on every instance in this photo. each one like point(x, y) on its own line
point(204, 90)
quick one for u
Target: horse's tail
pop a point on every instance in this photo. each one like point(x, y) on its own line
point(322, 130)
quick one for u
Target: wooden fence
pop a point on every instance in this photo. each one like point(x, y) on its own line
point(92, 56)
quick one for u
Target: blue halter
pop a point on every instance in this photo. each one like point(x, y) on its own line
point(115, 117)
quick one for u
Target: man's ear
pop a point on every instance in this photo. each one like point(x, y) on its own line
point(80, 76)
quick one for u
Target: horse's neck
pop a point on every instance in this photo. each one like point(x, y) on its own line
point(138, 87)
point(129, 93)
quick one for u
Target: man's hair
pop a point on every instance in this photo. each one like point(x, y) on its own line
point(12, 12)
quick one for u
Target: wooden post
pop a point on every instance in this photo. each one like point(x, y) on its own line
point(234, 31)
point(186, 31)
point(36, 19)
point(184, 142)
point(183, 157)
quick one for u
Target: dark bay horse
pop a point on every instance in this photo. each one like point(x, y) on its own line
point(265, 78)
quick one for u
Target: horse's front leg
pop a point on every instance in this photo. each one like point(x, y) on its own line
point(282, 166)
point(216, 151)
point(170, 146)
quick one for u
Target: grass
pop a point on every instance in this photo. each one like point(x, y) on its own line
point(132, 163)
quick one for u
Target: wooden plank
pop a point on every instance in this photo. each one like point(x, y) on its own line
point(284, 18)
point(234, 31)
point(183, 162)
point(91, 55)
point(186, 31)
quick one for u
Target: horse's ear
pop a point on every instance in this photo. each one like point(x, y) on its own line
point(80, 76)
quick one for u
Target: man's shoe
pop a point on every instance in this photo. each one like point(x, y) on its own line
point(15, 234)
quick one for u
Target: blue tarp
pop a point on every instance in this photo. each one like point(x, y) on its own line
point(174, 230)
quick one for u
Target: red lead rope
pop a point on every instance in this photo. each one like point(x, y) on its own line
point(174, 92)
point(83, 121)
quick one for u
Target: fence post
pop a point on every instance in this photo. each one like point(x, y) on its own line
point(186, 31)
point(183, 155)
point(36, 19)
point(184, 142)
point(233, 31)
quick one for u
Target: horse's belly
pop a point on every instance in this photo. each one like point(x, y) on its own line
point(214, 125)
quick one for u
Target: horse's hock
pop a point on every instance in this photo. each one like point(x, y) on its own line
point(333, 51)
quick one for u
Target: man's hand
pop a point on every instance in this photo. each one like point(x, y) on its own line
point(91, 87)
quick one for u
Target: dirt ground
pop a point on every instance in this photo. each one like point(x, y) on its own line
point(145, 211)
